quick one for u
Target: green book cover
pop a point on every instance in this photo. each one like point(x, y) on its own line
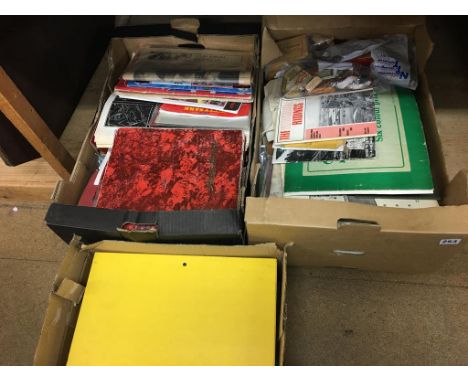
point(401, 164)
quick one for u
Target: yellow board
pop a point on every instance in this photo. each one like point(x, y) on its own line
point(146, 309)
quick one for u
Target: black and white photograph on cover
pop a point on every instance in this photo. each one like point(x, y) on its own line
point(347, 108)
point(128, 112)
point(356, 148)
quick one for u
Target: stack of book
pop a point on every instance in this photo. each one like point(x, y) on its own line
point(393, 162)
point(175, 131)
point(173, 87)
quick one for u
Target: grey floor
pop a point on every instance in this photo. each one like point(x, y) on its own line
point(335, 316)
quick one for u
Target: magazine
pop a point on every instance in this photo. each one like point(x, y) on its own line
point(123, 86)
point(123, 112)
point(189, 87)
point(175, 115)
point(326, 117)
point(226, 106)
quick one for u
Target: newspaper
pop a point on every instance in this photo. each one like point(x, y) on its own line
point(190, 65)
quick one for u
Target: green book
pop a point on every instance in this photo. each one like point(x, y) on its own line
point(401, 164)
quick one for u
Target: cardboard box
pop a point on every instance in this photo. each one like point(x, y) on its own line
point(336, 234)
point(65, 218)
point(70, 283)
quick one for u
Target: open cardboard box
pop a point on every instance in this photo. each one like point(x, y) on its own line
point(70, 283)
point(65, 218)
point(337, 234)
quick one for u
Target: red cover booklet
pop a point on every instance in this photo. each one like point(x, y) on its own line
point(244, 111)
point(173, 169)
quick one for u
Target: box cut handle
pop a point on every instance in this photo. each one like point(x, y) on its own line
point(357, 224)
point(341, 252)
point(140, 232)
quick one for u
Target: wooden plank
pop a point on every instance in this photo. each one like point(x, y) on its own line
point(36, 180)
point(24, 117)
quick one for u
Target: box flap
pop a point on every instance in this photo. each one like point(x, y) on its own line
point(186, 24)
point(56, 333)
point(330, 214)
point(322, 23)
point(71, 291)
point(283, 310)
point(245, 43)
point(456, 192)
point(75, 265)
point(260, 250)
point(270, 50)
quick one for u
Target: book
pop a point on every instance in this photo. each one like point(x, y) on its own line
point(356, 148)
point(326, 117)
point(401, 164)
point(122, 112)
point(147, 309)
point(173, 169)
point(126, 86)
point(190, 65)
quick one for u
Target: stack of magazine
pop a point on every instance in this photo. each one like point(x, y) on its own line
point(326, 127)
point(174, 133)
point(171, 87)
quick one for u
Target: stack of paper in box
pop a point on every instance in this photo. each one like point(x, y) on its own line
point(174, 87)
point(175, 129)
point(341, 120)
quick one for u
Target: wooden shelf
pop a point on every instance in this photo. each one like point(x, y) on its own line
point(36, 180)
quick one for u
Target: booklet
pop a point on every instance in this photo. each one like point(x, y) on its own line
point(326, 117)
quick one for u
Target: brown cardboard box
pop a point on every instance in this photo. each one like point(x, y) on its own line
point(93, 224)
point(119, 53)
point(334, 234)
point(70, 283)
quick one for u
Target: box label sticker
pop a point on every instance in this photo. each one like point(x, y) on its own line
point(450, 241)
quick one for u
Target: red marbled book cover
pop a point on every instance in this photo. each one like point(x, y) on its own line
point(173, 169)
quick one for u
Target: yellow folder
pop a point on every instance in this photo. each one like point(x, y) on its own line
point(146, 309)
